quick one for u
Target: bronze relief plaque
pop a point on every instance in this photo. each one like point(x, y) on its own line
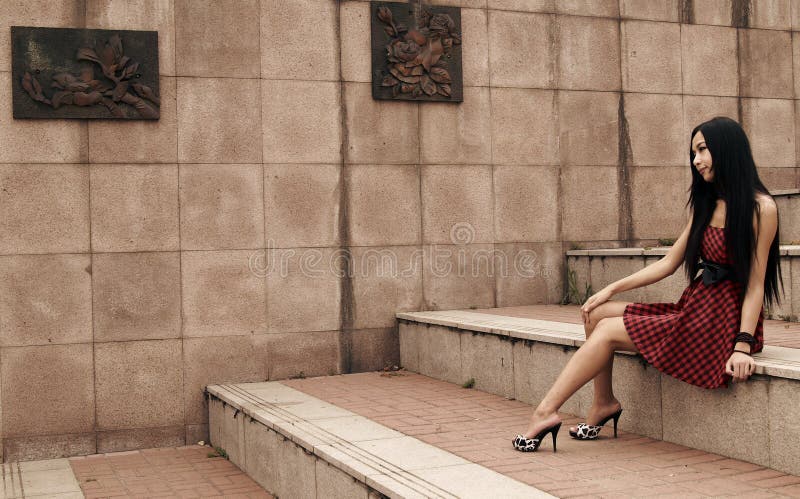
point(84, 73)
point(416, 52)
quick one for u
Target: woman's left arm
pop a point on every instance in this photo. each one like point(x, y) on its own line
point(740, 365)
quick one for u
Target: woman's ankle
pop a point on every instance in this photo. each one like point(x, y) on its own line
point(606, 404)
point(544, 412)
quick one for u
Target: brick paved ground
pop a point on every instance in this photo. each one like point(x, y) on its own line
point(479, 427)
point(776, 333)
point(168, 472)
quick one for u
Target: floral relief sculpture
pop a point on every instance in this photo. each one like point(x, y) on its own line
point(117, 88)
point(418, 58)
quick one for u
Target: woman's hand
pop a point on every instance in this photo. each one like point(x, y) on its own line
point(740, 366)
point(595, 301)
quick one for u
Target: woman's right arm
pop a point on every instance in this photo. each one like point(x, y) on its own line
point(664, 267)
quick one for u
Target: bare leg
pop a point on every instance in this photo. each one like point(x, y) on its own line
point(604, 402)
point(590, 359)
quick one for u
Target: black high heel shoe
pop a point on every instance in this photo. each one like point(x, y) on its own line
point(591, 432)
point(523, 444)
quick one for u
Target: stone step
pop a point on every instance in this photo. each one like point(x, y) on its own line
point(596, 268)
point(296, 445)
point(520, 357)
point(474, 426)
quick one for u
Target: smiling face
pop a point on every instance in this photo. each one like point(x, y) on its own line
point(702, 157)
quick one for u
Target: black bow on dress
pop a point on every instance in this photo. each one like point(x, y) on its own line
point(714, 272)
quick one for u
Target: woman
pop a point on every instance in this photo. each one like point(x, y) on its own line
point(708, 336)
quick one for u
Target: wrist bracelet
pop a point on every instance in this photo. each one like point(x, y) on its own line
point(745, 338)
point(742, 351)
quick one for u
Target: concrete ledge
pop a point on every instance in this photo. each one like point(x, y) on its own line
point(520, 358)
point(785, 250)
point(295, 445)
point(773, 361)
point(599, 267)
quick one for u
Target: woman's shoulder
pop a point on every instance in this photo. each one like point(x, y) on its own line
point(767, 212)
point(766, 204)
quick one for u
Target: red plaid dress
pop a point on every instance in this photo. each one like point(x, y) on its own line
point(692, 340)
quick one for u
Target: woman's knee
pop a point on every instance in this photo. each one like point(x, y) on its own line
point(611, 330)
point(596, 316)
point(607, 310)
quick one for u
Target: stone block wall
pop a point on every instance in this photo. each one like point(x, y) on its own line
point(275, 218)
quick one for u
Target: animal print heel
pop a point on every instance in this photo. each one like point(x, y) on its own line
point(591, 432)
point(523, 444)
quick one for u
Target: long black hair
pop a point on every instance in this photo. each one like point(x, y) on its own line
point(736, 181)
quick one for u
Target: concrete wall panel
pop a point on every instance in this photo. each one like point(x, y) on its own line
point(456, 134)
point(520, 54)
point(45, 299)
point(524, 201)
point(588, 57)
point(590, 193)
point(651, 57)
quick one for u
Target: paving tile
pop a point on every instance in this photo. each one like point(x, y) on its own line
point(474, 480)
point(184, 471)
point(630, 466)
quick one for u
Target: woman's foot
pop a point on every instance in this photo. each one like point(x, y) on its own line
point(541, 424)
point(540, 421)
point(599, 414)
